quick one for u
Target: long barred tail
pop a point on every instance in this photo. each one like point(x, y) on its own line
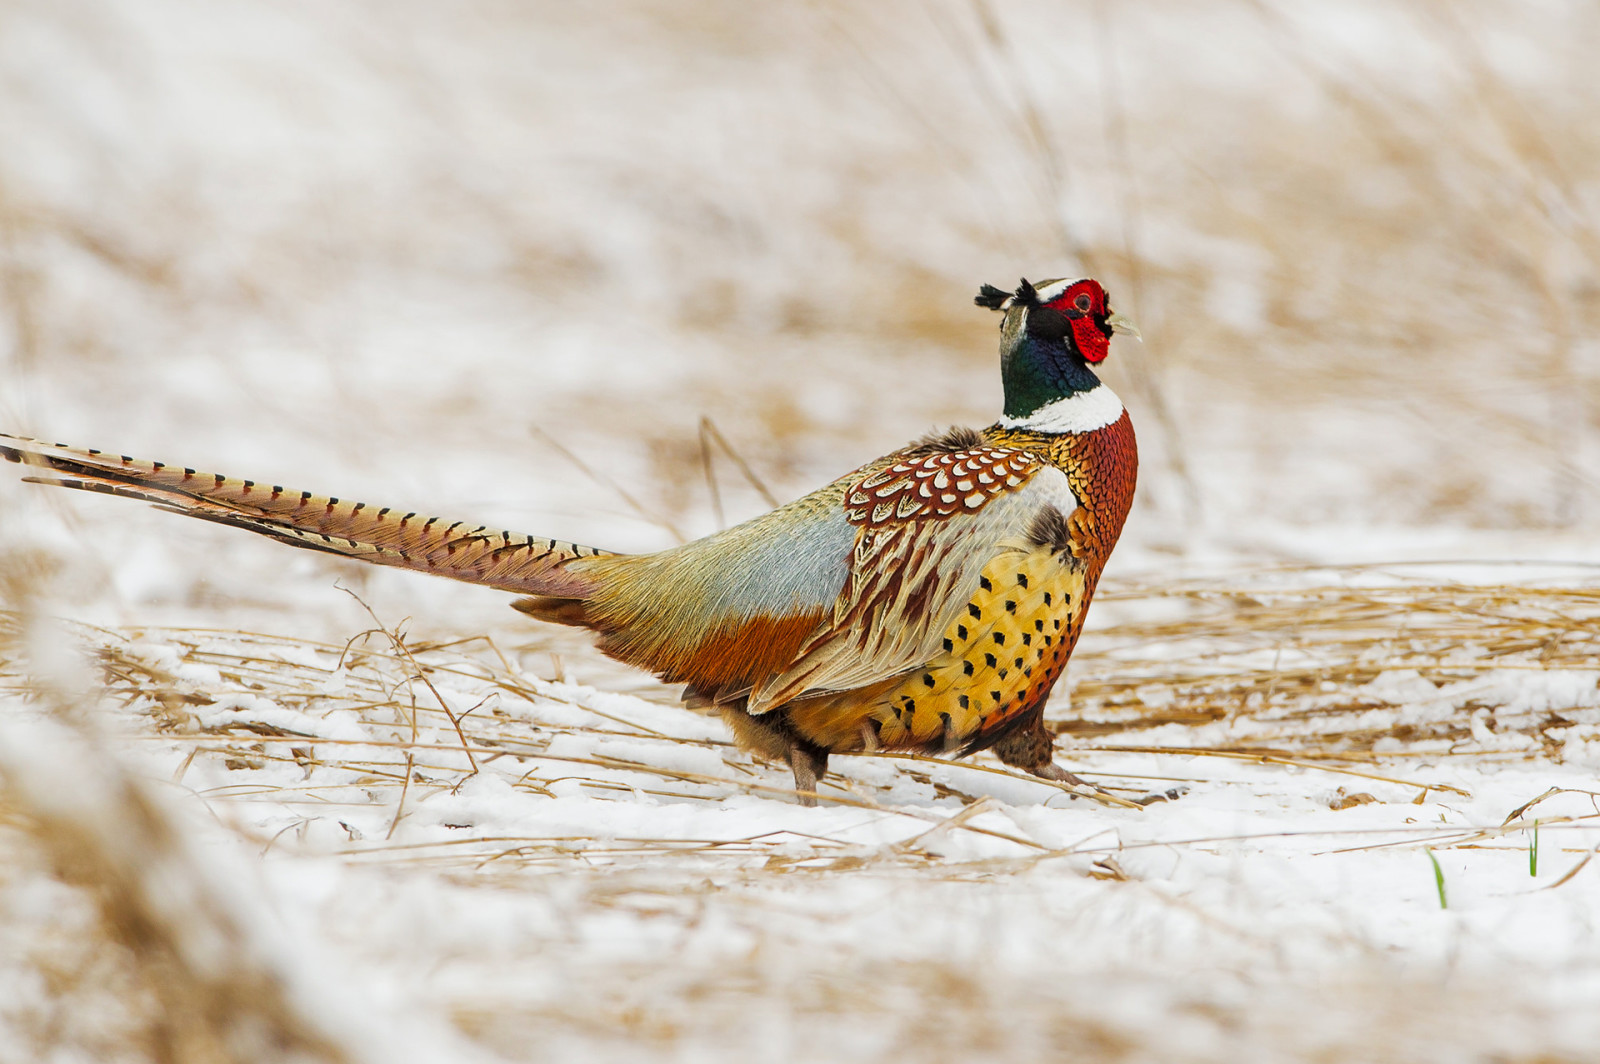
point(509, 561)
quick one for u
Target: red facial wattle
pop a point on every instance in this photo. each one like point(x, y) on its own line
point(1093, 343)
point(1085, 306)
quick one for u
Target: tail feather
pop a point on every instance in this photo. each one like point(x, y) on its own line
point(509, 561)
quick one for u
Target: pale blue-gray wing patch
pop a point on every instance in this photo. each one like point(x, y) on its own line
point(790, 562)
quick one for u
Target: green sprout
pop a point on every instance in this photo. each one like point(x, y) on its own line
point(1438, 877)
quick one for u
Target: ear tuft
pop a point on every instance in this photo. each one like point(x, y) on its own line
point(1026, 294)
point(991, 297)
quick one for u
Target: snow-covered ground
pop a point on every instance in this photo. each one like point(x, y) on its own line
point(500, 262)
point(1376, 848)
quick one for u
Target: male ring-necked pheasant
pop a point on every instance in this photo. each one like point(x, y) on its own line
point(927, 601)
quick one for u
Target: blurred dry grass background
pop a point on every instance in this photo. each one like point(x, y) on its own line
point(397, 249)
point(1360, 237)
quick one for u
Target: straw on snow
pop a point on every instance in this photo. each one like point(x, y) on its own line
point(1265, 671)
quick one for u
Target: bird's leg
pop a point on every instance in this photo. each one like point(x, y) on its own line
point(1032, 749)
point(769, 736)
point(809, 764)
point(1052, 771)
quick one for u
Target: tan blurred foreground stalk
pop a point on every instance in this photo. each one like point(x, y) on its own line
point(214, 975)
point(217, 997)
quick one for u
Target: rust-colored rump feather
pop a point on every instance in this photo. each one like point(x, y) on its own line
point(728, 659)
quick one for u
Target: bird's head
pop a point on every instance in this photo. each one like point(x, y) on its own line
point(1051, 334)
point(1075, 313)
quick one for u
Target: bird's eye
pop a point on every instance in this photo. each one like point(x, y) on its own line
point(1082, 302)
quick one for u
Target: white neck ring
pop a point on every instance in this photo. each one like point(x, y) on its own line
point(1078, 412)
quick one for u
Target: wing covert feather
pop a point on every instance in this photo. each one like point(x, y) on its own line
point(911, 575)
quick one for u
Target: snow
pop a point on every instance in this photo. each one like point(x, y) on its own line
point(609, 863)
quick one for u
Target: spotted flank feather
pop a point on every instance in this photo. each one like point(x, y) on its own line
point(997, 659)
point(385, 535)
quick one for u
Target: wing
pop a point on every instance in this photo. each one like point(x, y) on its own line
point(924, 529)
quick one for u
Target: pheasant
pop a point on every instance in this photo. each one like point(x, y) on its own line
point(926, 602)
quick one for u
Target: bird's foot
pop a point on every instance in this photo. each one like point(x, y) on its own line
point(809, 765)
point(1171, 794)
point(1052, 771)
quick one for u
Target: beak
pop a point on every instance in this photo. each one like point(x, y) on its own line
point(1124, 325)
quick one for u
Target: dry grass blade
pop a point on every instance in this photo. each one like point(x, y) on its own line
point(709, 434)
point(1270, 758)
point(1572, 872)
point(419, 673)
point(644, 512)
